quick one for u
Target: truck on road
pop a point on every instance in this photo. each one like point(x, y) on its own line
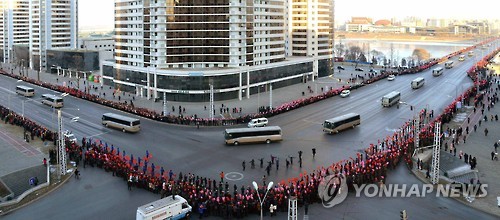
point(171, 208)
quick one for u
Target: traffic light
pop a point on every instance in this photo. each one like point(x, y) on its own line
point(403, 215)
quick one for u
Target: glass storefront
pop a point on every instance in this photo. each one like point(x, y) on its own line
point(197, 83)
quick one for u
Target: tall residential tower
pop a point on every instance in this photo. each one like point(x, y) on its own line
point(38, 24)
point(180, 48)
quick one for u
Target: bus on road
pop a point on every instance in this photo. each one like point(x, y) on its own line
point(52, 100)
point(417, 83)
point(391, 99)
point(448, 65)
point(334, 125)
point(121, 122)
point(25, 91)
point(437, 71)
point(238, 136)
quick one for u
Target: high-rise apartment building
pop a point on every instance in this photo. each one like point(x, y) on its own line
point(14, 23)
point(53, 25)
point(180, 48)
point(39, 24)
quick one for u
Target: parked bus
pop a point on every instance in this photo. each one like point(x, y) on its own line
point(334, 125)
point(166, 208)
point(391, 99)
point(461, 58)
point(437, 71)
point(25, 91)
point(470, 53)
point(417, 83)
point(238, 136)
point(52, 100)
point(448, 65)
point(121, 122)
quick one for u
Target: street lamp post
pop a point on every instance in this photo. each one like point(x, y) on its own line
point(263, 199)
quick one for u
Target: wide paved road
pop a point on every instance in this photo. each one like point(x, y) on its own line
point(202, 151)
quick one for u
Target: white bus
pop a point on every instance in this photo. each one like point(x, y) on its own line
point(461, 58)
point(417, 83)
point(25, 91)
point(437, 71)
point(391, 99)
point(448, 65)
point(334, 125)
point(166, 208)
point(238, 136)
point(52, 100)
point(121, 122)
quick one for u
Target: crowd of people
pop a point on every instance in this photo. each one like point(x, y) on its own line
point(34, 129)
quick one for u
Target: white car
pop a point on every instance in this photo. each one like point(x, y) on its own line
point(345, 93)
point(71, 137)
point(391, 77)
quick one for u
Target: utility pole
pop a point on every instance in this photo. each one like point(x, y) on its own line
point(270, 96)
point(211, 115)
point(61, 148)
point(436, 154)
point(164, 103)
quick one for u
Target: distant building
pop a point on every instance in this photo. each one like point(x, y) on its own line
point(441, 23)
point(386, 29)
point(412, 22)
point(475, 27)
point(358, 24)
point(97, 42)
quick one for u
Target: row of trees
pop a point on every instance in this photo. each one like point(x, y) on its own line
point(355, 53)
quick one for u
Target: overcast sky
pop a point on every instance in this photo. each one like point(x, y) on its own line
point(98, 14)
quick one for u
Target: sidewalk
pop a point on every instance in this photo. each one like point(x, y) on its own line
point(20, 161)
point(247, 105)
point(479, 146)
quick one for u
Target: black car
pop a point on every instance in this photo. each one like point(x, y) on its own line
point(340, 68)
point(359, 69)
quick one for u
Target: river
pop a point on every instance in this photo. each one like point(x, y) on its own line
point(403, 49)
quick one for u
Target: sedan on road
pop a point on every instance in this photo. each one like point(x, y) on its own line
point(359, 69)
point(391, 77)
point(340, 68)
point(345, 93)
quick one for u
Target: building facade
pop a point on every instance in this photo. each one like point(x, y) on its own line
point(180, 48)
point(53, 24)
point(14, 23)
point(40, 24)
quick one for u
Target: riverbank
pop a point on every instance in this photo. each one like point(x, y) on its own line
point(406, 37)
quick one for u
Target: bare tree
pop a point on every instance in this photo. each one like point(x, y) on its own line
point(421, 54)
